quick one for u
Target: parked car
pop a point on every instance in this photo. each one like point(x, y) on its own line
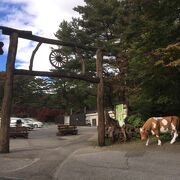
point(14, 121)
point(35, 122)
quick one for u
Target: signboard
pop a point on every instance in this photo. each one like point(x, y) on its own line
point(121, 113)
point(67, 120)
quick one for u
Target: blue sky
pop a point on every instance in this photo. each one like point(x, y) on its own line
point(3, 62)
point(42, 17)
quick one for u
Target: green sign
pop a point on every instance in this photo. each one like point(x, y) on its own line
point(120, 113)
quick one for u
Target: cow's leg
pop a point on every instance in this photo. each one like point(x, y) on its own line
point(174, 132)
point(175, 135)
point(147, 142)
point(159, 141)
point(157, 133)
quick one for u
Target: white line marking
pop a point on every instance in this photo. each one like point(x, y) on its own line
point(13, 178)
point(17, 169)
point(59, 168)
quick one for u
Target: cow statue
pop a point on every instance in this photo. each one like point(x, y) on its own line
point(157, 125)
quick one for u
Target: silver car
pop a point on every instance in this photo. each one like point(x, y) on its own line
point(35, 122)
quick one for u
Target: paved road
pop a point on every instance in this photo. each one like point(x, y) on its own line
point(39, 156)
point(45, 156)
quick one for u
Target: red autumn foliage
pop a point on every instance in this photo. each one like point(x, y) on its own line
point(43, 114)
point(47, 114)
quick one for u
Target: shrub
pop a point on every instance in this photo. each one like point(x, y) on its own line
point(136, 120)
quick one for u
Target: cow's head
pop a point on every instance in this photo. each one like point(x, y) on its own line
point(143, 133)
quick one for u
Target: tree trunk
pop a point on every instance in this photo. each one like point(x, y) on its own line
point(7, 99)
point(100, 99)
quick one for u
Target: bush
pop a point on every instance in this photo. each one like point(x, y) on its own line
point(136, 120)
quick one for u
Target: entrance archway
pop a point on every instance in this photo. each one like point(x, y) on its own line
point(14, 34)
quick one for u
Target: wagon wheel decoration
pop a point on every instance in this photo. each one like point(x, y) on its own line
point(57, 58)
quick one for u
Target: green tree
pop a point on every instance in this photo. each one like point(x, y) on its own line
point(152, 27)
point(73, 95)
point(97, 27)
point(29, 91)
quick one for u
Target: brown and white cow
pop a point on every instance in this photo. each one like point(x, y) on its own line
point(157, 125)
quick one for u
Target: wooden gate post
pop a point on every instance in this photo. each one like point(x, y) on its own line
point(100, 98)
point(7, 99)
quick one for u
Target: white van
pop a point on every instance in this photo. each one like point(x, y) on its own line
point(14, 120)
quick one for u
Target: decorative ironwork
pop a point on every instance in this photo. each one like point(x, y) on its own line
point(57, 58)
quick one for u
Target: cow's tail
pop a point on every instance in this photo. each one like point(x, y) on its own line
point(178, 124)
point(176, 120)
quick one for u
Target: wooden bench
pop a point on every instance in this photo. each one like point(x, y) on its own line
point(66, 129)
point(18, 132)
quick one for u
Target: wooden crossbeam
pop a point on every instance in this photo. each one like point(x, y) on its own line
point(28, 35)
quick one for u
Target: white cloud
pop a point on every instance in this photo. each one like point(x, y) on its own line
point(42, 18)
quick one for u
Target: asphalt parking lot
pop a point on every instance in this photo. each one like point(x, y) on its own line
point(45, 156)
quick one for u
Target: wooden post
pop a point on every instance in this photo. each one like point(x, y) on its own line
point(7, 99)
point(100, 98)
